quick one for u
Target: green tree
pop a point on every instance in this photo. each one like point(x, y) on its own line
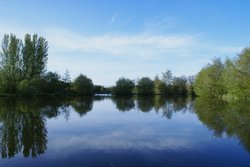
point(190, 85)
point(83, 85)
point(35, 55)
point(167, 77)
point(145, 86)
point(53, 83)
point(209, 80)
point(124, 86)
point(10, 63)
point(179, 85)
point(242, 74)
point(160, 86)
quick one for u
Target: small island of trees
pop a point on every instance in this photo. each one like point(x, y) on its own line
point(23, 73)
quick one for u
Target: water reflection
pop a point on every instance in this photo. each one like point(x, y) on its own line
point(167, 105)
point(124, 103)
point(231, 119)
point(23, 122)
point(22, 129)
point(82, 105)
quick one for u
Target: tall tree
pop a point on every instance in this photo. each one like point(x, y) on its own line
point(167, 77)
point(35, 53)
point(10, 62)
point(241, 73)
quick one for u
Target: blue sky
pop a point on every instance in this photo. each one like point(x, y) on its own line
point(108, 39)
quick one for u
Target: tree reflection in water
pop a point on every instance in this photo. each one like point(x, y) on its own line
point(231, 119)
point(161, 104)
point(22, 129)
point(23, 122)
point(125, 103)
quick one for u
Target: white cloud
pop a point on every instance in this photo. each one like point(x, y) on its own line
point(126, 46)
point(106, 57)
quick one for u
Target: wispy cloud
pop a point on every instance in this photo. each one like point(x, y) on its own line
point(160, 24)
point(137, 46)
point(113, 19)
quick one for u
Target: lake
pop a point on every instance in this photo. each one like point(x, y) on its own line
point(124, 132)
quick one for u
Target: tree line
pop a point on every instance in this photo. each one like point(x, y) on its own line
point(228, 80)
point(166, 85)
point(23, 72)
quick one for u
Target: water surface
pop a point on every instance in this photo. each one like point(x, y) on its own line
point(137, 131)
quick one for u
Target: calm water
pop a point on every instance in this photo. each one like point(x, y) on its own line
point(152, 131)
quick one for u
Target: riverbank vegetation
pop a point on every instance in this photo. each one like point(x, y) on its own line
point(228, 80)
point(23, 72)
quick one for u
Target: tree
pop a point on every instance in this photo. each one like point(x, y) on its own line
point(53, 83)
point(179, 85)
point(190, 85)
point(66, 78)
point(10, 63)
point(209, 80)
point(167, 77)
point(236, 76)
point(83, 85)
point(35, 53)
point(145, 86)
point(124, 86)
point(160, 86)
point(66, 82)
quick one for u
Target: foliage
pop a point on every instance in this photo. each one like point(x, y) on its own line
point(145, 86)
point(99, 89)
point(35, 52)
point(23, 72)
point(209, 80)
point(159, 86)
point(10, 63)
point(167, 77)
point(229, 80)
point(124, 86)
point(179, 85)
point(83, 85)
